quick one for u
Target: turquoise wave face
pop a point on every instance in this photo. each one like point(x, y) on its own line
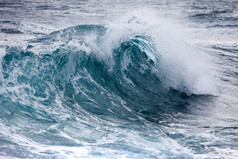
point(68, 93)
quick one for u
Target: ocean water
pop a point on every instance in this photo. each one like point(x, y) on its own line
point(119, 79)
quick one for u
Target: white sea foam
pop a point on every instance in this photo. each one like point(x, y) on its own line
point(183, 66)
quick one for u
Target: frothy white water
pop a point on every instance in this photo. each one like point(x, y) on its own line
point(182, 65)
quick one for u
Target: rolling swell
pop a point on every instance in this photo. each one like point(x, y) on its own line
point(70, 88)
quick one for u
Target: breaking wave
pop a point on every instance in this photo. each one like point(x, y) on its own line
point(81, 86)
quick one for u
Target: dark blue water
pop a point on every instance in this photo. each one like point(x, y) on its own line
point(142, 79)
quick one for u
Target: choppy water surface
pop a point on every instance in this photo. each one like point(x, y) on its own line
point(123, 79)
